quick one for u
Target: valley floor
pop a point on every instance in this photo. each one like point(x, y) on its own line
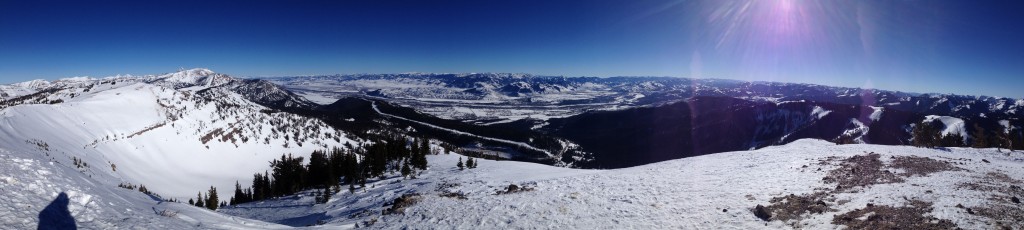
point(912, 187)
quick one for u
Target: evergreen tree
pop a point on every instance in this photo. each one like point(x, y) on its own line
point(211, 201)
point(239, 196)
point(337, 165)
point(288, 175)
point(322, 197)
point(319, 170)
point(980, 139)
point(925, 135)
point(199, 200)
point(425, 147)
point(268, 186)
point(414, 148)
point(406, 170)
point(419, 160)
point(461, 167)
point(1016, 140)
point(191, 202)
point(952, 140)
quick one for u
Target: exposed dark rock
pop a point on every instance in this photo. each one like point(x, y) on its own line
point(762, 213)
point(401, 203)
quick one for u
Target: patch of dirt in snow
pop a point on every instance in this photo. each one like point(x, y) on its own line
point(792, 207)
point(1004, 206)
point(888, 217)
point(921, 166)
point(852, 175)
point(860, 171)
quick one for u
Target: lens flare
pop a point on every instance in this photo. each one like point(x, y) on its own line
point(767, 40)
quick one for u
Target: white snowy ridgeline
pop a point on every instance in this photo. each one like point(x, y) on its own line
point(707, 192)
point(146, 131)
point(951, 125)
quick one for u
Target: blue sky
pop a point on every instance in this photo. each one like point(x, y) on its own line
point(963, 47)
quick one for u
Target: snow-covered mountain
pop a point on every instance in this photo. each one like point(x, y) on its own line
point(177, 133)
point(594, 122)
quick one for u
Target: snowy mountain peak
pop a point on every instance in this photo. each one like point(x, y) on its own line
point(197, 72)
point(76, 79)
point(194, 77)
point(33, 84)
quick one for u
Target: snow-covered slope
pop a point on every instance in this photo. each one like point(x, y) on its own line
point(42, 192)
point(174, 141)
point(970, 188)
point(950, 125)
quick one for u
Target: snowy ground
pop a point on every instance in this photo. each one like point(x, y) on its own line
point(40, 192)
point(715, 191)
point(708, 192)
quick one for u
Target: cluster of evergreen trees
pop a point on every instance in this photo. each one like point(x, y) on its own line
point(470, 163)
point(928, 135)
point(210, 201)
point(327, 170)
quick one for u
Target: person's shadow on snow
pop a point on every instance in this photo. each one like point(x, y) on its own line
point(56, 215)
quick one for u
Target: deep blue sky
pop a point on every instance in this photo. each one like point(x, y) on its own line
point(963, 47)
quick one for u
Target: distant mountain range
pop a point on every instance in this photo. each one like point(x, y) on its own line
point(588, 122)
point(627, 121)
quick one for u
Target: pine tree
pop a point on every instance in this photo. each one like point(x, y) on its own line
point(268, 186)
point(191, 202)
point(419, 160)
point(319, 170)
point(322, 196)
point(199, 200)
point(925, 135)
point(327, 194)
point(425, 146)
point(951, 140)
point(239, 196)
point(212, 202)
point(406, 170)
point(414, 148)
point(980, 140)
point(461, 167)
point(336, 167)
point(289, 175)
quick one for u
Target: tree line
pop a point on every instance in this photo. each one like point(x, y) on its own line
point(328, 170)
point(926, 134)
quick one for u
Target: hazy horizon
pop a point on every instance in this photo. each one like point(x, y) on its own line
point(932, 46)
